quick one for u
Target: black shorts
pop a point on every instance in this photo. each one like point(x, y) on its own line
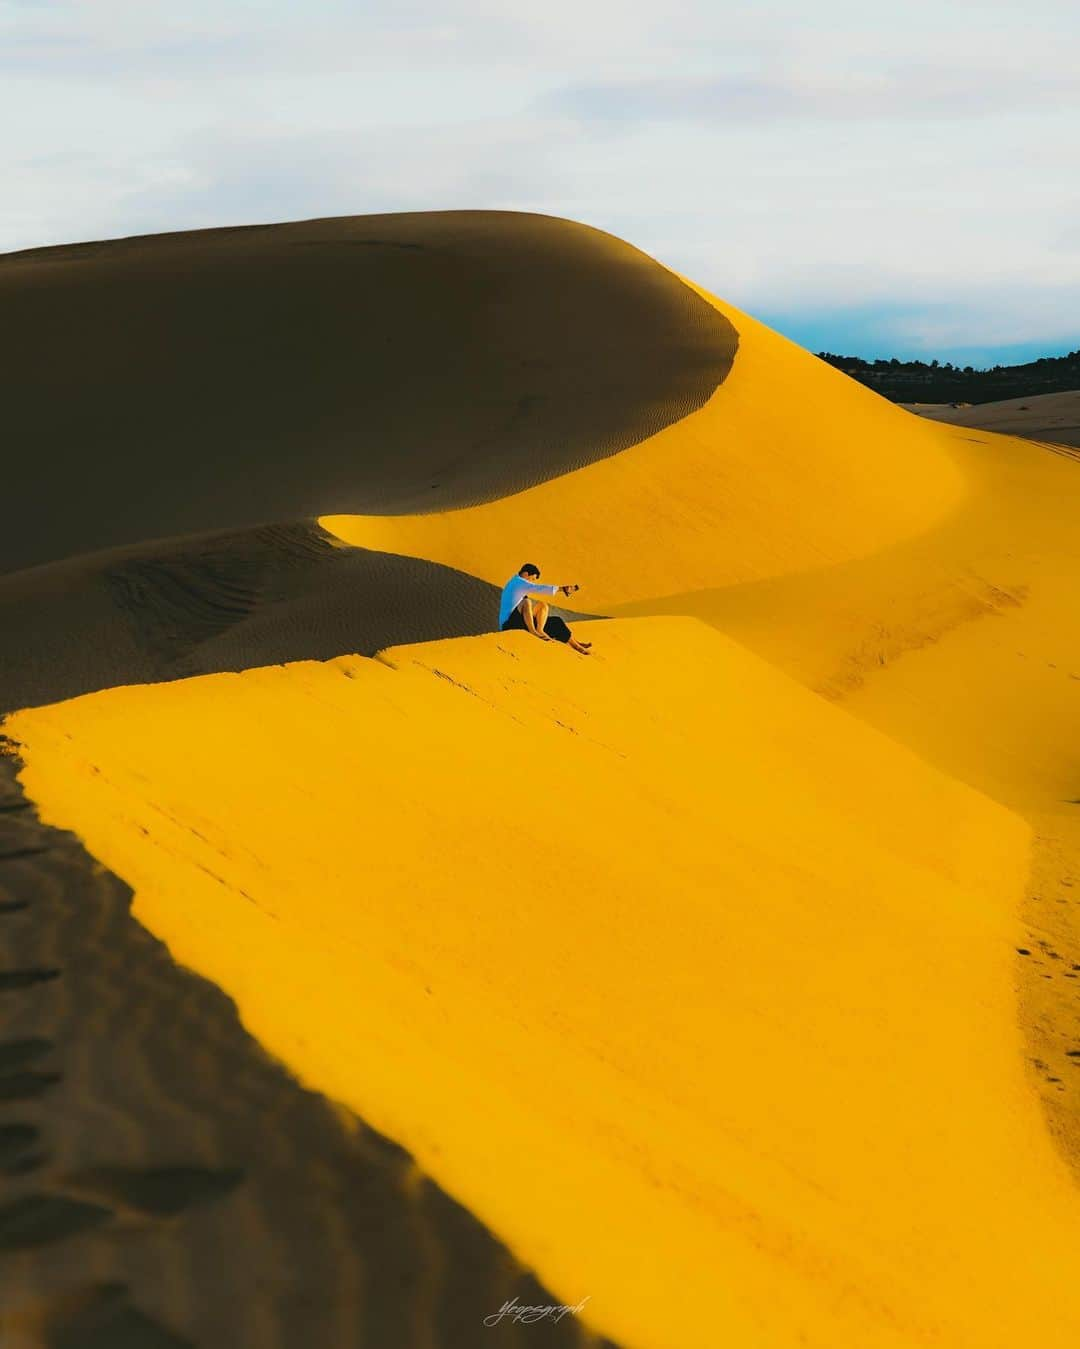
point(554, 626)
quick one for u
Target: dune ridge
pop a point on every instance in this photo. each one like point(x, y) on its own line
point(749, 486)
point(217, 602)
point(808, 949)
point(233, 378)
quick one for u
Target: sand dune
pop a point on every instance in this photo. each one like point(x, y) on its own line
point(789, 466)
point(1049, 417)
point(956, 638)
point(711, 1026)
point(220, 379)
point(728, 977)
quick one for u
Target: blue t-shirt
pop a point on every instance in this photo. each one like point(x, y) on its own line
point(515, 590)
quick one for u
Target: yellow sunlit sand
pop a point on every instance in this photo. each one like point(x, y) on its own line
point(690, 968)
point(924, 574)
point(789, 466)
point(692, 986)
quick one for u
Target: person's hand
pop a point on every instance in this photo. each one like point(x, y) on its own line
point(568, 590)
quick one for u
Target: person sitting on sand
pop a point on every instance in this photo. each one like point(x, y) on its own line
point(519, 609)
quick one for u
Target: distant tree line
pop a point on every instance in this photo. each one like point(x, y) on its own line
point(934, 382)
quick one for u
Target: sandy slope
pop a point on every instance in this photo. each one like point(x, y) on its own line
point(789, 466)
point(962, 643)
point(164, 1184)
point(664, 992)
point(957, 637)
point(1052, 417)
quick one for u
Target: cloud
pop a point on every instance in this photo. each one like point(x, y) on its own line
point(112, 39)
point(914, 94)
point(247, 175)
point(874, 169)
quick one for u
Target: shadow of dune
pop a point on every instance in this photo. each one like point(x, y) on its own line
point(183, 383)
point(220, 602)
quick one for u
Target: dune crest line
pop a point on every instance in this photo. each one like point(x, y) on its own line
point(233, 378)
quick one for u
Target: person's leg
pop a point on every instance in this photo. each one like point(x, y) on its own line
point(532, 619)
point(556, 627)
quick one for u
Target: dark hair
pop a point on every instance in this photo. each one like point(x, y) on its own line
point(529, 569)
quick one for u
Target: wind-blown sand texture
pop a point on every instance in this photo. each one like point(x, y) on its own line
point(1052, 418)
point(728, 977)
point(220, 602)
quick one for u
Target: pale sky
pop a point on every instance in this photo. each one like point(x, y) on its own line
point(897, 180)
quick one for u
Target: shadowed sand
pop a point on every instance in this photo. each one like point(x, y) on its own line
point(183, 383)
point(221, 602)
point(164, 1184)
point(1053, 418)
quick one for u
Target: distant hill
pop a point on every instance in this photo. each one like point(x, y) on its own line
point(1052, 418)
point(919, 382)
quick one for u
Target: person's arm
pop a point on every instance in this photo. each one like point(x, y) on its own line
point(538, 589)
